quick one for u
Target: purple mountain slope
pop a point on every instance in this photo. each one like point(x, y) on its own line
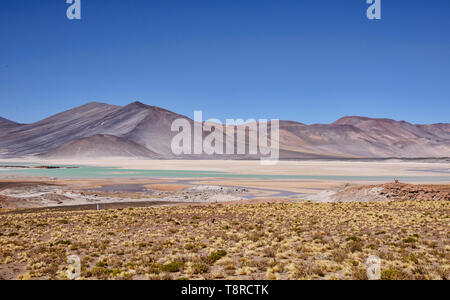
point(146, 131)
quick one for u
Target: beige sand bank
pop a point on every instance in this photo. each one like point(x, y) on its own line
point(314, 168)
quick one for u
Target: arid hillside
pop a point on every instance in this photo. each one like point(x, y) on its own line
point(150, 127)
point(100, 145)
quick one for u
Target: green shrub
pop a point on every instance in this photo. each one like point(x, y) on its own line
point(355, 246)
point(352, 238)
point(393, 274)
point(189, 246)
point(372, 247)
point(63, 243)
point(359, 274)
point(410, 240)
point(101, 271)
point(101, 264)
point(414, 259)
point(215, 256)
point(200, 268)
point(172, 267)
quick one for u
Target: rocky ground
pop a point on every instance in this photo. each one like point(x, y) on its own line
point(384, 192)
point(30, 194)
point(40, 194)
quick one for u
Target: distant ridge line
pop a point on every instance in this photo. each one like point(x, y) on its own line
point(146, 131)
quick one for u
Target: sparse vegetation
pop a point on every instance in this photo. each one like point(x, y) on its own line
point(174, 266)
point(258, 241)
point(215, 256)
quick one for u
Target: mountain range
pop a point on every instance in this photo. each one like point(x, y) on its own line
point(139, 130)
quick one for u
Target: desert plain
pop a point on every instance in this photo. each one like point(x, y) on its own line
point(293, 220)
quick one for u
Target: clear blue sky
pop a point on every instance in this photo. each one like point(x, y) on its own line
point(306, 60)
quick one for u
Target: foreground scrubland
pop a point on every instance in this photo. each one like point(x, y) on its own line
point(260, 241)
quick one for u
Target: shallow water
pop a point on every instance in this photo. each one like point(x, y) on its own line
point(111, 172)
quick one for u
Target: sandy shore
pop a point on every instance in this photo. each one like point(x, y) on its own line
point(313, 167)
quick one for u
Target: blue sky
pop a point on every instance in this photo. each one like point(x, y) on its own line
point(306, 60)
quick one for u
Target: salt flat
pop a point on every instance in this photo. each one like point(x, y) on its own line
point(304, 167)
